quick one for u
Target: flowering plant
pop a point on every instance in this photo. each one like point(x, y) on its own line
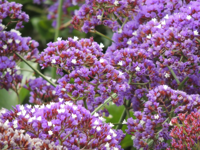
point(151, 70)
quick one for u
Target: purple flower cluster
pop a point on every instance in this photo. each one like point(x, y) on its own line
point(9, 75)
point(65, 124)
point(40, 91)
point(13, 11)
point(152, 125)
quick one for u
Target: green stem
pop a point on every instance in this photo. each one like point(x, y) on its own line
point(53, 71)
point(35, 70)
point(174, 75)
point(85, 104)
point(139, 83)
point(114, 95)
point(123, 116)
point(94, 31)
point(182, 83)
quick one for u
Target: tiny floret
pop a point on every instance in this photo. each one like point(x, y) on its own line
point(167, 75)
point(73, 61)
point(196, 32)
point(188, 17)
point(75, 38)
point(50, 132)
point(101, 45)
point(99, 17)
point(116, 3)
point(120, 63)
point(120, 30)
point(53, 61)
point(5, 46)
point(137, 68)
point(129, 42)
point(59, 38)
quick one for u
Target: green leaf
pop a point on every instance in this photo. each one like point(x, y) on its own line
point(8, 99)
point(21, 1)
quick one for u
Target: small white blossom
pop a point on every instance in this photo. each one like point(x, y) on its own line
point(149, 36)
point(108, 137)
point(15, 124)
point(137, 68)
point(75, 38)
point(17, 41)
point(111, 125)
point(49, 123)
point(60, 99)
point(39, 118)
point(163, 22)
point(59, 38)
point(196, 32)
point(134, 33)
point(101, 60)
point(156, 116)
point(107, 145)
point(154, 19)
point(142, 122)
point(48, 84)
point(74, 116)
point(101, 45)
point(98, 128)
point(50, 132)
point(188, 17)
point(170, 123)
point(124, 122)
point(120, 73)
point(158, 26)
point(33, 110)
point(165, 87)
point(120, 63)
point(10, 40)
point(53, 92)
point(96, 122)
point(73, 61)
point(161, 139)
point(8, 70)
point(75, 107)
point(116, 2)
point(5, 46)
point(53, 61)
point(129, 42)
point(102, 119)
point(99, 17)
point(6, 123)
point(63, 89)
point(3, 26)
point(167, 75)
point(120, 30)
point(167, 16)
point(133, 137)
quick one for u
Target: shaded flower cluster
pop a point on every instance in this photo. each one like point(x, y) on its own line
point(153, 124)
point(65, 124)
point(40, 91)
point(9, 74)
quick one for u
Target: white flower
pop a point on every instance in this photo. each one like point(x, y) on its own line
point(63, 89)
point(156, 116)
point(8, 70)
point(73, 61)
point(161, 139)
point(142, 122)
point(48, 84)
point(101, 45)
point(39, 118)
point(33, 110)
point(3, 26)
point(134, 33)
point(111, 125)
point(60, 99)
point(10, 40)
point(6, 123)
point(116, 3)
point(170, 123)
point(167, 75)
point(133, 137)
point(98, 128)
point(167, 16)
point(75, 38)
point(74, 107)
point(53, 61)
point(15, 124)
point(96, 122)
point(74, 116)
point(120, 73)
point(96, 114)
point(17, 41)
point(120, 63)
point(163, 22)
point(107, 145)
point(102, 119)
point(149, 36)
point(62, 106)
point(5, 46)
point(13, 30)
point(53, 92)
point(59, 38)
point(158, 26)
point(50, 132)
point(196, 32)
point(154, 19)
point(129, 42)
point(119, 31)
point(108, 137)
point(99, 17)
point(27, 116)
point(188, 17)
point(165, 87)
point(137, 68)
point(49, 123)
point(101, 60)
point(124, 122)
point(115, 148)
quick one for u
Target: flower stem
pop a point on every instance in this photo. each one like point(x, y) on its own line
point(94, 31)
point(174, 75)
point(35, 69)
point(114, 95)
point(53, 71)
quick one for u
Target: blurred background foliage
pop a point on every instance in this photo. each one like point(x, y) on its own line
point(40, 29)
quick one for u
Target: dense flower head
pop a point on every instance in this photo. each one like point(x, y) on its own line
point(162, 101)
point(9, 74)
point(16, 139)
point(13, 11)
point(67, 125)
point(40, 91)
